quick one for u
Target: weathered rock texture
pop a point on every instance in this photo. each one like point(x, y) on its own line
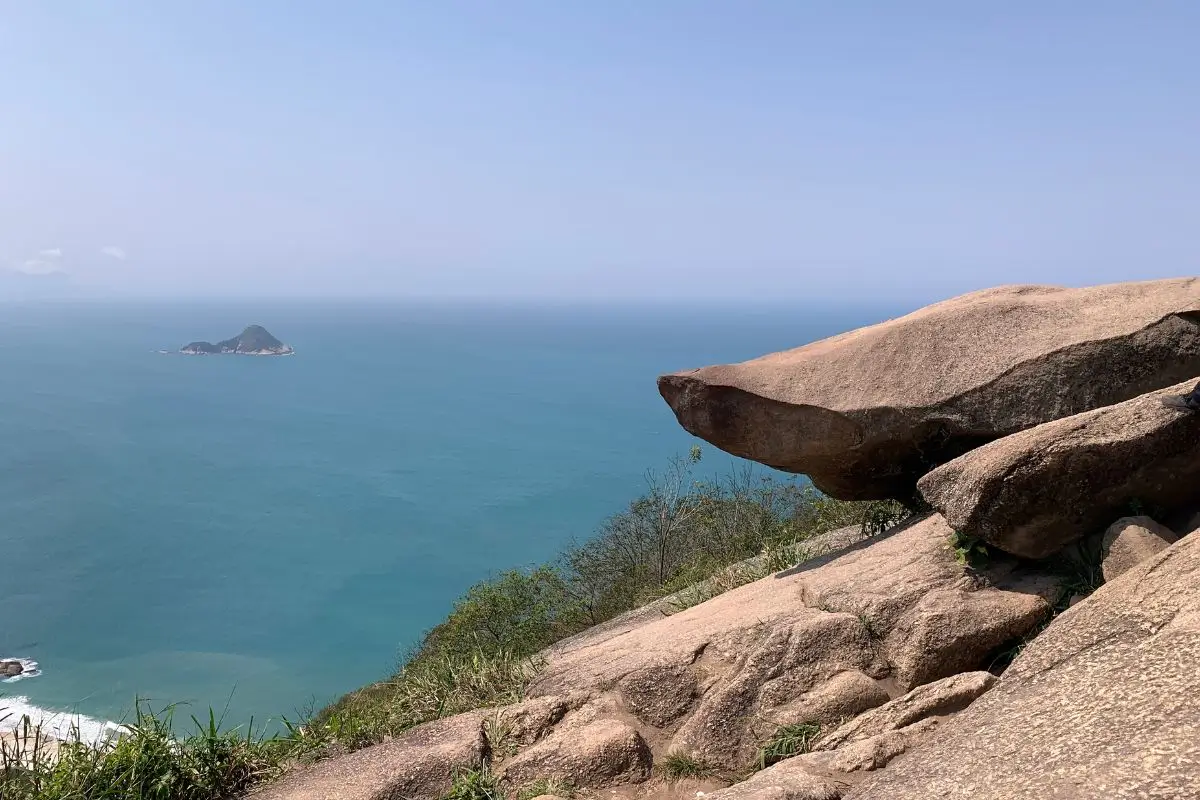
point(1036, 491)
point(867, 743)
point(866, 413)
point(938, 699)
point(1103, 703)
point(827, 775)
point(419, 764)
point(827, 640)
point(1131, 540)
point(599, 754)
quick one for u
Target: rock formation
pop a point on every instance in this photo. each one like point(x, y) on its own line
point(866, 413)
point(253, 341)
point(1039, 410)
point(1103, 703)
point(1036, 491)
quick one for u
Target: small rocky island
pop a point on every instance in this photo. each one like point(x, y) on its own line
point(254, 341)
point(11, 669)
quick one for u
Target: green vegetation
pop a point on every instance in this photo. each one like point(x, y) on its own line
point(677, 766)
point(969, 551)
point(148, 761)
point(475, 784)
point(430, 687)
point(544, 786)
point(788, 741)
point(682, 532)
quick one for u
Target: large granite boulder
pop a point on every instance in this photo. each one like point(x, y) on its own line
point(866, 413)
point(1036, 491)
point(1103, 703)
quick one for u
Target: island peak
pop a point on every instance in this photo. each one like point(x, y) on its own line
point(255, 340)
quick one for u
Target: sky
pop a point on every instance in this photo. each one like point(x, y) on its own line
point(660, 149)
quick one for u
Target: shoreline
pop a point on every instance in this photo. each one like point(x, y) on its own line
point(60, 726)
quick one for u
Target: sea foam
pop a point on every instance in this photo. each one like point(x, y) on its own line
point(29, 669)
point(58, 724)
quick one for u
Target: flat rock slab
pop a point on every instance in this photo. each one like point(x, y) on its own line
point(1102, 704)
point(1036, 491)
point(418, 765)
point(866, 413)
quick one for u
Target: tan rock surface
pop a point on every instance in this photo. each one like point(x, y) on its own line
point(596, 755)
point(1103, 703)
point(419, 764)
point(828, 775)
point(869, 754)
point(1034, 492)
point(1131, 540)
point(866, 413)
point(659, 694)
point(524, 723)
point(937, 699)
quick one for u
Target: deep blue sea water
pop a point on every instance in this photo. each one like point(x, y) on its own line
point(267, 533)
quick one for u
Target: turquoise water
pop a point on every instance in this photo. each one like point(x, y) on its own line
point(267, 533)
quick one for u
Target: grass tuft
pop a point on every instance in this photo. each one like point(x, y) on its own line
point(546, 786)
point(145, 760)
point(677, 766)
point(424, 690)
point(788, 741)
point(474, 784)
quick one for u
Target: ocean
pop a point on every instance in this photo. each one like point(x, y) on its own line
point(260, 535)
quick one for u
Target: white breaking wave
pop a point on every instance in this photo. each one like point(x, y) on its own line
point(29, 669)
point(58, 724)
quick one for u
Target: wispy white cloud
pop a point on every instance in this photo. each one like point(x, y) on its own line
point(38, 266)
point(46, 262)
point(113, 251)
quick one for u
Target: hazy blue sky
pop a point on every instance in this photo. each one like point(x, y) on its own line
point(596, 147)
